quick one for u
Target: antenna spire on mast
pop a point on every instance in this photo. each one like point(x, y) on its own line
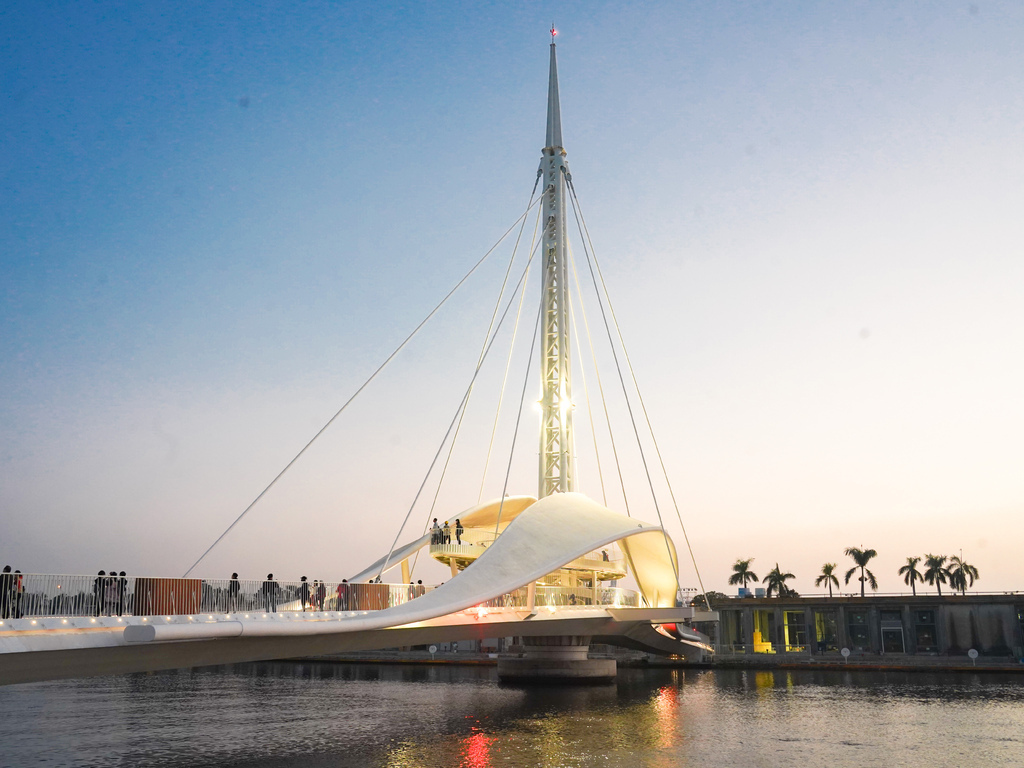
point(554, 132)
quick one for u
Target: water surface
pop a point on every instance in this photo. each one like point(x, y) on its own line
point(279, 715)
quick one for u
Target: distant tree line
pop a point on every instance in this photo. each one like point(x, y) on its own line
point(938, 570)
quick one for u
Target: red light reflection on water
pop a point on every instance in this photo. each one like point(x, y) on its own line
point(476, 750)
point(666, 707)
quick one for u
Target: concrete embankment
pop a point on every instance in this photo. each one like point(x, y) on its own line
point(864, 663)
point(858, 664)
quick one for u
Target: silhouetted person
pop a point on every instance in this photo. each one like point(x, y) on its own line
point(447, 535)
point(320, 593)
point(270, 593)
point(303, 593)
point(459, 530)
point(122, 593)
point(343, 593)
point(98, 588)
point(6, 592)
point(110, 594)
point(234, 587)
point(19, 594)
point(420, 589)
point(435, 533)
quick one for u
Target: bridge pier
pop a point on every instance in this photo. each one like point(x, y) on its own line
point(555, 659)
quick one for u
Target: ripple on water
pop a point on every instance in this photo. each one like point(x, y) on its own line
point(279, 715)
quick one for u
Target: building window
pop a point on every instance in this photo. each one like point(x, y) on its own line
point(924, 629)
point(857, 624)
point(825, 631)
point(891, 625)
point(796, 631)
point(764, 631)
point(731, 627)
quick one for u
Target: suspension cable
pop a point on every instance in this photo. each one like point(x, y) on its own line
point(451, 426)
point(622, 381)
point(487, 334)
point(519, 417)
point(361, 388)
point(504, 378)
point(586, 394)
point(600, 385)
point(640, 398)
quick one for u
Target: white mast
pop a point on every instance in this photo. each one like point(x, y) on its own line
point(556, 440)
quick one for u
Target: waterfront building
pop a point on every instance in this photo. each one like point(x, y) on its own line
point(922, 625)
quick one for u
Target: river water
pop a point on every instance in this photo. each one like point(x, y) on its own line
point(284, 715)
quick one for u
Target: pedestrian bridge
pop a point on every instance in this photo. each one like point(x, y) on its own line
point(519, 566)
point(525, 582)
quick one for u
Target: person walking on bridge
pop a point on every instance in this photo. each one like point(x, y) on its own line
point(459, 530)
point(19, 594)
point(303, 593)
point(270, 593)
point(435, 533)
point(110, 594)
point(98, 585)
point(122, 592)
point(6, 592)
point(234, 587)
point(447, 535)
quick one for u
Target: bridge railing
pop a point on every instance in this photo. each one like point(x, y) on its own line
point(33, 595)
point(562, 597)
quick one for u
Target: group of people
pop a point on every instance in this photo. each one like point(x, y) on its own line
point(12, 593)
point(442, 534)
point(110, 593)
point(312, 595)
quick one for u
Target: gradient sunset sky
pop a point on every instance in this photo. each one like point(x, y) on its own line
point(219, 218)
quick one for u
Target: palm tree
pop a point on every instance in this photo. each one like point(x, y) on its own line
point(828, 577)
point(961, 575)
point(742, 573)
point(861, 557)
point(776, 581)
point(936, 571)
point(910, 574)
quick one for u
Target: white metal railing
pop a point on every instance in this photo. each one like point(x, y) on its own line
point(553, 597)
point(472, 542)
point(33, 595)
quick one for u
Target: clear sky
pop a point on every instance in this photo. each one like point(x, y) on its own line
point(219, 218)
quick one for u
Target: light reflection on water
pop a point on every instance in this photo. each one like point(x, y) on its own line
point(288, 715)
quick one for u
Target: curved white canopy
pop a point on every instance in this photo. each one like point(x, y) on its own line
point(542, 537)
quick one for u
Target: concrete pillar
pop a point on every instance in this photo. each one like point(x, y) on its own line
point(555, 658)
point(748, 628)
point(941, 631)
point(909, 635)
point(842, 633)
point(874, 631)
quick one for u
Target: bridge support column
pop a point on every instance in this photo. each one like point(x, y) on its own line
point(555, 659)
